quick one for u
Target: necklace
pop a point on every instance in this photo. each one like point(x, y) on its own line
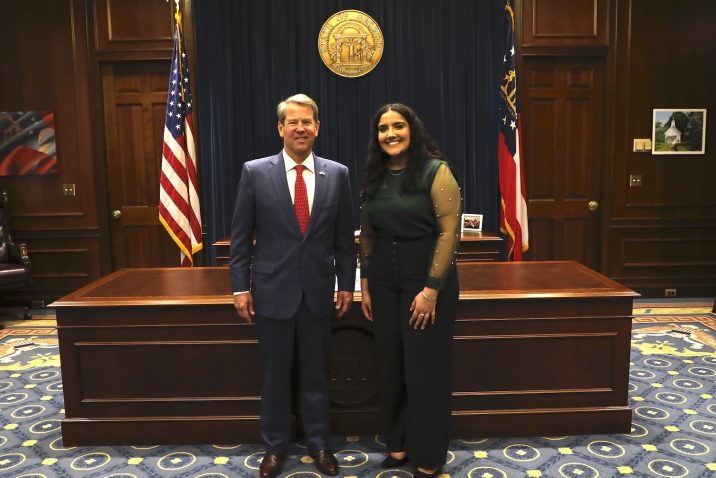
point(396, 172)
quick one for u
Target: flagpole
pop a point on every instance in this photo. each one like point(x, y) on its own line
point(180, 59)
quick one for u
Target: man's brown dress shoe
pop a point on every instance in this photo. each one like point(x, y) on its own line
point(325, 462)
point(271, 465)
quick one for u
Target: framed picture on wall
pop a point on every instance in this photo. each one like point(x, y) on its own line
point(678, 131)
point(471, 222)
point(27, 143)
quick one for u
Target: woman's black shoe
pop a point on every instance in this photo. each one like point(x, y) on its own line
point(391, 462)
point(421, 474)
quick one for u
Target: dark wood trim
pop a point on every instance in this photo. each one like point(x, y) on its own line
point(549, 422)
point(97, 132)
point(560, 28)
point(589, 51)
point(149, 55)
point(167, 431)
point(107, 23)
point(610, 106)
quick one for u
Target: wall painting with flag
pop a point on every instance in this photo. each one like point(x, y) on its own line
point(179, 210)
point(513, 203)
point(27, 143)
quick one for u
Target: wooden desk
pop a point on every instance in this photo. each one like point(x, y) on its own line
point(474, 246)
point(479, 247)
point(158, 356)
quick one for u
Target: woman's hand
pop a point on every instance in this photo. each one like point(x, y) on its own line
point(365, 303)
point(423, 308)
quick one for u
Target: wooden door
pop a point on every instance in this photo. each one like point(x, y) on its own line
point(135, 95)
point(562, 117)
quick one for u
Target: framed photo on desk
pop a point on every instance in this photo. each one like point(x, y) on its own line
point(471, 222)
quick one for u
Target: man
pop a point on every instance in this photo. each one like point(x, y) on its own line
point(291, 237)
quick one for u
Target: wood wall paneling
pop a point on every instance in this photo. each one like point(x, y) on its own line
point(61, 263)
point(565, 24)
point(661, 234)
point(660, 71)
point(654, 257)
point(37, 201)
point(51, 72)
point(133, 25)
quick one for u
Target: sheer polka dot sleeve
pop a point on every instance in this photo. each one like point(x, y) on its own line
point(447, 208)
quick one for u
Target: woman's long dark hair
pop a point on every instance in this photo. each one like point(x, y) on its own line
point(421, 149)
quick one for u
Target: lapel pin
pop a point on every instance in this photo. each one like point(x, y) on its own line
point(321, 173)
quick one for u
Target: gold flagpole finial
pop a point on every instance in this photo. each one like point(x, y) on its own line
point(177, 15)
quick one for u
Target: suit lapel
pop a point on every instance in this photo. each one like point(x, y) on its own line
point(319, 193)
point(277, 172)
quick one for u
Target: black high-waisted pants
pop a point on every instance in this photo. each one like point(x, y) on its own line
point(414, 366)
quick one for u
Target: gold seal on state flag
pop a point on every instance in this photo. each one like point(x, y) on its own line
point(350, 43)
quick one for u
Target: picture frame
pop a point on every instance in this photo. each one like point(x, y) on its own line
point(471, 222)
point(27, 143)
point(678, 131)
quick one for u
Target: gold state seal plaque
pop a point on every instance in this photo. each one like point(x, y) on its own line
point(350, 43)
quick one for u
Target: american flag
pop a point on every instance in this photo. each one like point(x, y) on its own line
point(513, 210)
point(178, 185)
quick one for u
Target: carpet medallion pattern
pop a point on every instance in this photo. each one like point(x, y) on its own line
point(672, 387)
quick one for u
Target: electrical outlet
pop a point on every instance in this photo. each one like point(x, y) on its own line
point(68, 189)
point(669, 292)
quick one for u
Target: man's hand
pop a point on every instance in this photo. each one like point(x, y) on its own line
point(244, 305)
point(343, 301)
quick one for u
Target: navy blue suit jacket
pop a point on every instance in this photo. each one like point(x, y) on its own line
point(283, 265)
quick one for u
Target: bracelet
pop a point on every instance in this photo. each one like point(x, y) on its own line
point(426, 297)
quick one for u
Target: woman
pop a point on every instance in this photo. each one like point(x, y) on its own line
point(410, 232)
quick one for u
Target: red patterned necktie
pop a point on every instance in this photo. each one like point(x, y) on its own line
point(300, 199)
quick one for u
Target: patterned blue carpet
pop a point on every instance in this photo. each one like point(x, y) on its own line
point(672, 388)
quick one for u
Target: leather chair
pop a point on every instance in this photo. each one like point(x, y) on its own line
point(15, 269)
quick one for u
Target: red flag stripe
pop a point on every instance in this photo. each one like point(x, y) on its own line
point(175, 229)
point(177, 208)
point(185, 187)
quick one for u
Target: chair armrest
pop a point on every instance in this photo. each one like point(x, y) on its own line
point(19, 253)
point(24, 256)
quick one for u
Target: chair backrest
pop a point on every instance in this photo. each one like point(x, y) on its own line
point(10, 253)
point(5, 236)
